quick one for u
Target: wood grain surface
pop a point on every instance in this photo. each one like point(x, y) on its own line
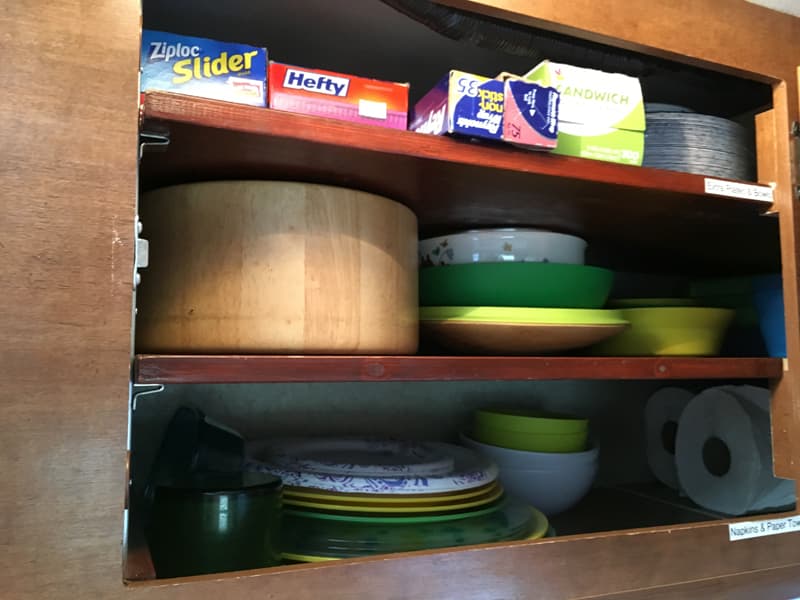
point(767, 584)
point(67, 193)
point(68, 185)
point(750, 39)
point(277, 267)
point(167, 369)
point(568, 567)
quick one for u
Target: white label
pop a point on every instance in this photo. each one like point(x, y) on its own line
point(751, 529)
point(372, 109)
point(732, 189)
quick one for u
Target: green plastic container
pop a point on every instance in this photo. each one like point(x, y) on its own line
point(530, 421)
point(544, 285)
point(531, 442)
point(215, 523)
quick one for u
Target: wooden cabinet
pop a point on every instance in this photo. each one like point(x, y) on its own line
point(68, 184)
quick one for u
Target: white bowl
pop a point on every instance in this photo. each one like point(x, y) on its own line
point(502, 245)
point(522, 459)
point(553, 491)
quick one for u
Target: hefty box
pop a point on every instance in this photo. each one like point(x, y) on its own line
point(338, 96)
point(601, 115)
point(530, 115)
point(202, 67)
point(461, 103)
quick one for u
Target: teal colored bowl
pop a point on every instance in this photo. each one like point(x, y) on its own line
point(543, 285)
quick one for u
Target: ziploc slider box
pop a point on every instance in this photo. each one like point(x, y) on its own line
point(461, 103)
point(530, 115)
point(338, 96)
point(601, 115)
point(202, 67)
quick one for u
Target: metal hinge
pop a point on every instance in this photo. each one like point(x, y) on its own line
point(141, 254)
point(153, 140)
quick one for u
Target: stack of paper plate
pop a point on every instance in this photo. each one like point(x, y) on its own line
point(355, 496)
point(680, 140)
point(506, 330)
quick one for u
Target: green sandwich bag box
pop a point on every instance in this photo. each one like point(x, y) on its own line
point(601, 115)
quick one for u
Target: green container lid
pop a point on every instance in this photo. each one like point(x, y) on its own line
point(545, 285)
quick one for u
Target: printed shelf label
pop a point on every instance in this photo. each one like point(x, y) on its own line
point(733, 189)
point(752, 529)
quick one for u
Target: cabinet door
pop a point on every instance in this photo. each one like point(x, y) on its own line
point(68, 121)
point(776, 156)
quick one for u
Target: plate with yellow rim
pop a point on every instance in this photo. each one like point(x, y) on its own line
point(315, 495)
point(313, 544)
point(399, 508)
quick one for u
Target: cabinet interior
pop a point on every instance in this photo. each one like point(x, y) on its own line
point(370, 38)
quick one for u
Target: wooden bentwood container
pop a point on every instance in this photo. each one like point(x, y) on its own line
point(277, 267)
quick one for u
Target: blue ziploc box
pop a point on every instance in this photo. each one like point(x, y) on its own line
point(203, 67)
point(462, 103)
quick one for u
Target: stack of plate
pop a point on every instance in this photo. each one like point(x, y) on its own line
point(680, 140)
point(347, 497)
point(508, 291)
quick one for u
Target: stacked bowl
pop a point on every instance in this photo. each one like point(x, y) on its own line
point(667, 327)
point(513, 291)
point(350, 497)
point(544, 458)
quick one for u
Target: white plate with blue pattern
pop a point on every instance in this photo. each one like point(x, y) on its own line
point(373, 466)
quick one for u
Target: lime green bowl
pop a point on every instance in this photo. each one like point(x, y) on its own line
point(532, 442)
point(671, 331)
point(530, 421)
point(545, 285)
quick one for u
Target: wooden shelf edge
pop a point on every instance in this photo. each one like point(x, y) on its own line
point(165, 106)
point(705, 552)
point(171, 369)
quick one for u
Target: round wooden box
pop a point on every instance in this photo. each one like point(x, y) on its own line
point(277, 267)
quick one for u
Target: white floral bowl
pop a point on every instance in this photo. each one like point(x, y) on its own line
point(502, 245)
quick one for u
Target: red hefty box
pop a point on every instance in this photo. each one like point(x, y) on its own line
point(338, 96)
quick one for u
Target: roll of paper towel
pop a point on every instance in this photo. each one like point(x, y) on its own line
point(723, 452)
point(661, 414)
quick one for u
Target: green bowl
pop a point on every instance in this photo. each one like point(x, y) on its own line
point(671, 331)
point(214, 522)
point(544, 285)
point(532, 442)
point(530, 421)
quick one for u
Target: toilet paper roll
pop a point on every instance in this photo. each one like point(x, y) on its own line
point(777, 493)
point(723, 454)
point(662, 413)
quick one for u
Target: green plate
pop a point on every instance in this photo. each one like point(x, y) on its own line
point(316, 539)
point(362, 518)
point(538, 316)
point(542, 285)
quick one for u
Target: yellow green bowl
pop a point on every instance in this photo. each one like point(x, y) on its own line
point(530, 421)
point(532, 442)
point(669, 331)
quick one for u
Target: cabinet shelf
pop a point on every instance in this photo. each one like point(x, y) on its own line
point(169, 369)
point(454, 184)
